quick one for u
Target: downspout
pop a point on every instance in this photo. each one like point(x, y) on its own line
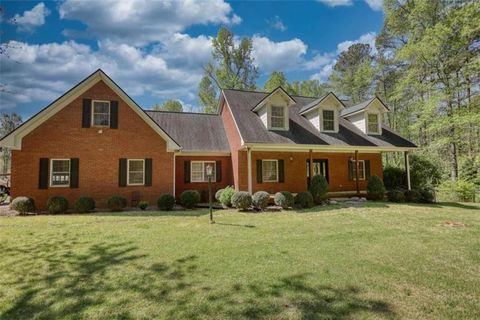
point(249, 169)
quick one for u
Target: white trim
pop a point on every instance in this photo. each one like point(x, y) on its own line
point(270, 115)
point(92, 122)
point(335, 120)
point(51, 174)
point(128, 173)
point(14, 140)
point(203, 162)
point(203, 153)
point(276, 167)
point(315, 107)
point(407, 169)
point(249, 171)
point(367, 122)
point(360, 163)
point(233, 117)
point(174, 173)
point(290, 101)
point(326, 148)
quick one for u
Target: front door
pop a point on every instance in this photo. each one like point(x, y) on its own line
point(320, 166)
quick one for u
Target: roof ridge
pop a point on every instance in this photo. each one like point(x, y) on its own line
point(265, 92)
point(184, 112)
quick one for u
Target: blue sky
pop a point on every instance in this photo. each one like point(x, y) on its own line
point(155, 50)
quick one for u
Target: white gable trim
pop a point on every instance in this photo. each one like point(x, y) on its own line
point(320, 102)
point(281, 91)
point(14, 139)
point(233, 117)
point(366, 107)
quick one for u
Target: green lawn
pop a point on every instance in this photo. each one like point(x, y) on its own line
point(376, 261)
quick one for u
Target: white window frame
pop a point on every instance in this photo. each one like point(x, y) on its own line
point(361, 163)
point(51, 173)
point(334, 120)
point(128, 173)
point(368, 123)
point(92, 122)
point(204, 175)
point(271, 116)
point(263, 168)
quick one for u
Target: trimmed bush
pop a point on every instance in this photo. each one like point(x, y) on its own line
point(57, 204)
point(117, 203)
point(375, 188)
point(426, 196)
point(412, 196)
point(304, 199)
point(284, 199)
point(396, 195)
point(190, 198)
point(394, 178)
point(84, 204)
point(242, 200)
point(459, 190)
point(318, 188)
point(260, 200)
point(218, 194)
point(23, 204)
point(166, 202)
point(143, 205)
point(226, 196)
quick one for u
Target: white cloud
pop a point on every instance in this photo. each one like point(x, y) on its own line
point(140, 22)
point(335, 3)
point(367, 38)
point(319, 61)
point(31, 19)
point(376, 5)
point(277, 23)
point(284, 55)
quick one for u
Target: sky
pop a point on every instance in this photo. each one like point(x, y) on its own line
point(156, 50)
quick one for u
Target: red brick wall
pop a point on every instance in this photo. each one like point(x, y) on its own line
point(296, 170)
point(62, 136)
point(180, 185)
point(234, 140)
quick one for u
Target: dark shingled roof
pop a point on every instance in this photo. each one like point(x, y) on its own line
point(301, 130)
point(194, 132)
point(355, 108)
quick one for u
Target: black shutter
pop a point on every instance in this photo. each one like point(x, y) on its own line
point(367, 169)
point(148, 172)
point(259, 171)
point(186, 171)
point(281, 171)
point(74, 172)
point(43, 174)
point(114, 114)
point(86, 114)
point(350, 170)
point(218, 171)
point(122, 172)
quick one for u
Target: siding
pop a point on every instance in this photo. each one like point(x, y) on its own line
point(358, 120)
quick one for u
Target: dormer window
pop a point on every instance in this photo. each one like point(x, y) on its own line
point(328, 120)
point(100, 113)
point(373, 125)
point(277, 117)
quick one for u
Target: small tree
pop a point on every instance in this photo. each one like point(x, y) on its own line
point(318, 188)
point(375, 188)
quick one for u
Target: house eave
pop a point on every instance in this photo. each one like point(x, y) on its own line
point(323, 148)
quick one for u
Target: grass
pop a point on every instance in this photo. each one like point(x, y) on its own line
point(376, 261)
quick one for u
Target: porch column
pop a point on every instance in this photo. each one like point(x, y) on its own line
point(357, 185)
point(249, 170)
point(407, 170)
point(310, 166)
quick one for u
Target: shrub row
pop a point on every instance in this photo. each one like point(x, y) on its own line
point(418, 196)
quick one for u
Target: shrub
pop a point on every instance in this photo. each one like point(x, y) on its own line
point(218, 194)
point(226, 196)
point(426, 196)
point(284, 199)
point(456, 191)
point(394, 178)
point(396, 195)
point(143, 205)
point(260, 199)
point(57, 204)
point(412, 196)
point(23, 204)
point(117, 203)
point(190, 198)
point(84, 204)
point(304, 199)
point(242, 200)
point(375, 188)
point(318, 188)
point(166, 202)
point(424, 174)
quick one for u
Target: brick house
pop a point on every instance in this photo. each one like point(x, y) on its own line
point(96, 141)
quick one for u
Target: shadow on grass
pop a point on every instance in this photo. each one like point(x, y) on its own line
point(173, 213)
point(63, 277)
point(235, 225)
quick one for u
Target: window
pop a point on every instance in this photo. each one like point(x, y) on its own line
point(136, 172)
point(198, 171)
point(373, 125)
point(361, 170)
point(328, 118)
point(277, 118)
point(100, 113)
point(60, 176)
point(270, 170)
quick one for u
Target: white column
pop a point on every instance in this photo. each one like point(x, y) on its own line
point(249, 170)
point(174, 174)
point(407, 169)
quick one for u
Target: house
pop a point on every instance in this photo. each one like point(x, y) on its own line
point(96, 141)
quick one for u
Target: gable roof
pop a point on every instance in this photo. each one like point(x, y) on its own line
point(195, 132)
point(359, 107)
point(14, 139)
point(316, 102)
point(301, 131)
point(267, 95)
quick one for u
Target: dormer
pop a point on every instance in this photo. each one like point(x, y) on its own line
point(324, 113)
point(274, 108)
point(367, 116)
